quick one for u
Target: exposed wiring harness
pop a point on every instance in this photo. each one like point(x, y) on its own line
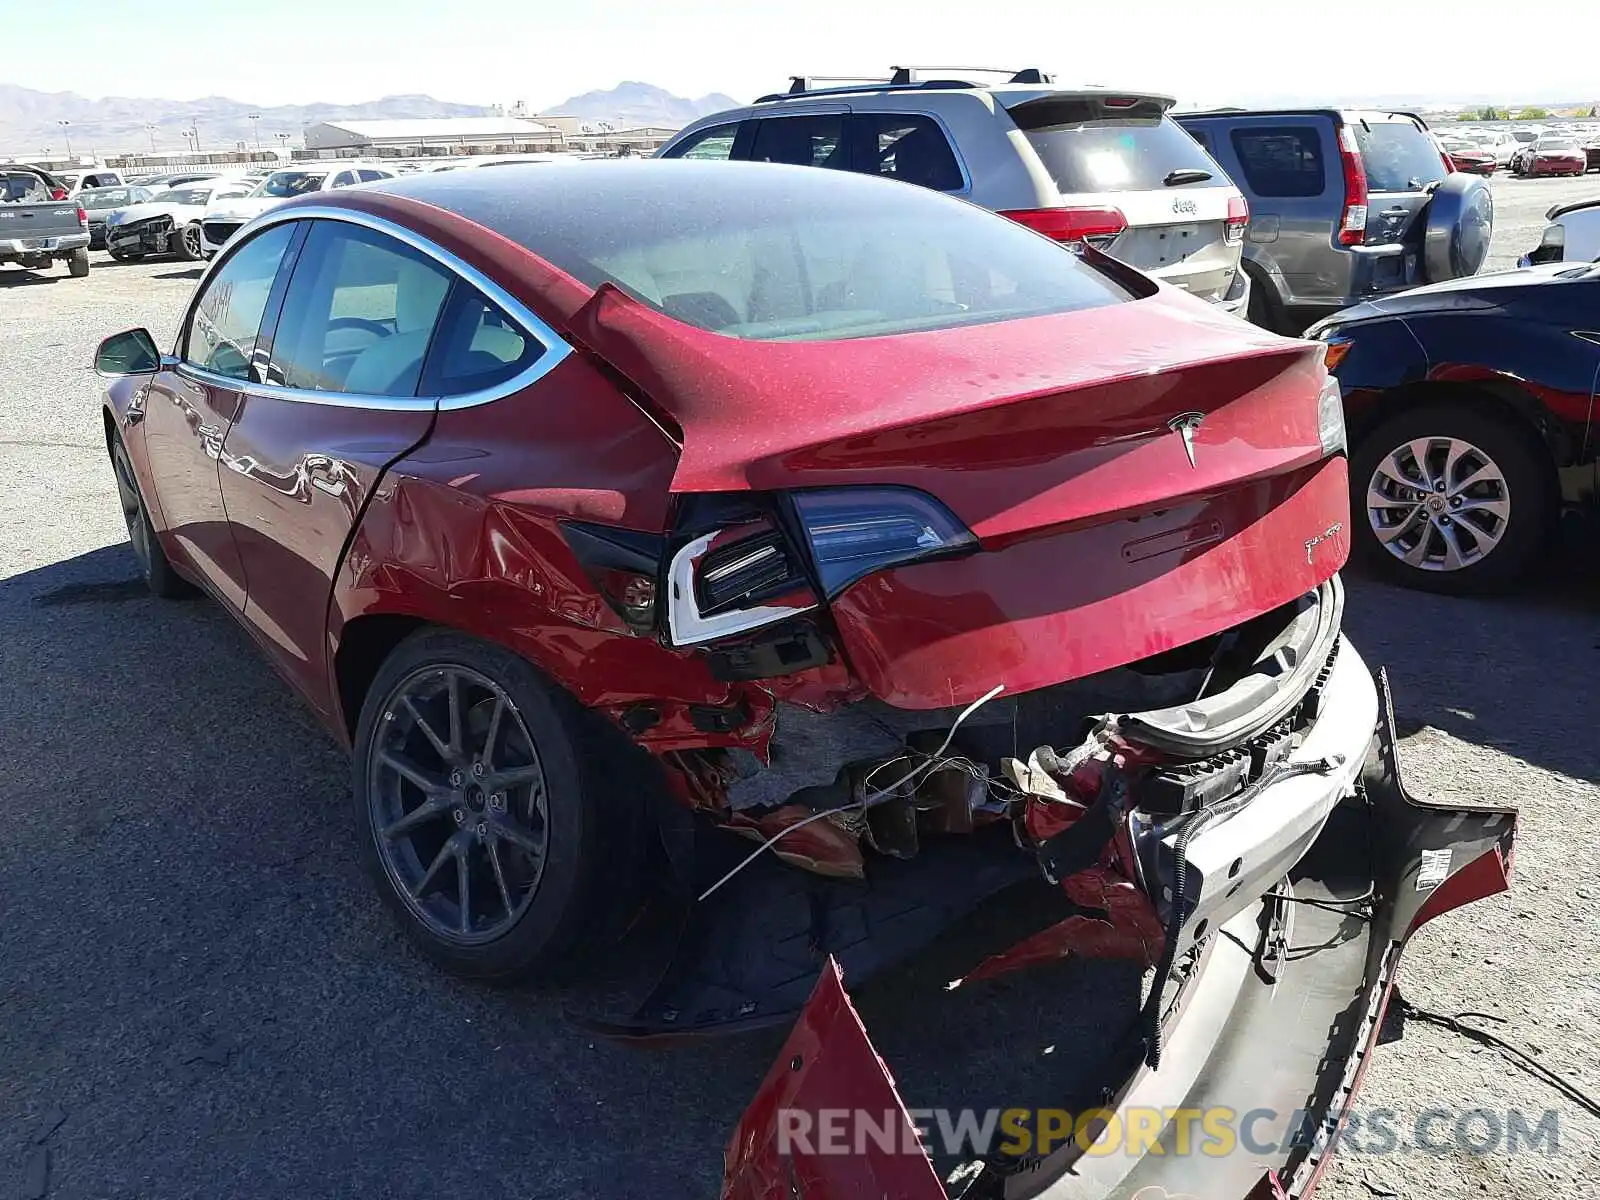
point(1150, 1016)
point(868, 798)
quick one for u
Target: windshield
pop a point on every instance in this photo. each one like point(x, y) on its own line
point(1555, 144)
point(186, 195)
point(1398, 156)
point(1087, 150)
point(820, 256)
point(290, 183)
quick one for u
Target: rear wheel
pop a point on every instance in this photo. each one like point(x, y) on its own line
point(78, 263)
point(481, 807)
point(153, 563)
point(1451, 499)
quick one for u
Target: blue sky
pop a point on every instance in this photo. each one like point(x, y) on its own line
point(296, 51)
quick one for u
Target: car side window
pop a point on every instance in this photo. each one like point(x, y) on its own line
point(477, 347)
point(1281, 161)
point(358, 314)
point(226, 321)
point(368, 176)
point(910, 148)
point(812, 140)
point(343, 179)
point(715, 143)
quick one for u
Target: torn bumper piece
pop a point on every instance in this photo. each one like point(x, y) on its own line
point(1281, 1013)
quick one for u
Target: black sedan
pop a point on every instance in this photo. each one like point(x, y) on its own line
point(1469, 406)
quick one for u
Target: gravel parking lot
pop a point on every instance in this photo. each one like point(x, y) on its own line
point(200, 994)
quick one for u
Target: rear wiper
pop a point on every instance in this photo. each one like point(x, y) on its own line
point(1186, 175)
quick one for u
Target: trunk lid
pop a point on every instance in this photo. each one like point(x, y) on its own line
point(1017, 426)
point(1403, 165)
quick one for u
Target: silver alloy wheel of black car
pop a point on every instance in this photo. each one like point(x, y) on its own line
point(457, 798)
point(1438, 503)
point(192, 244)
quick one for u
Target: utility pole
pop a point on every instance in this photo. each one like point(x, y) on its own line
point(255, 123)
point(66, 132)
point(151, 130)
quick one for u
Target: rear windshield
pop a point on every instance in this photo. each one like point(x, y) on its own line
point(1088, 149)
point(815, 256)
point(1398, 156)
point(1555, 144)
point(187, 195)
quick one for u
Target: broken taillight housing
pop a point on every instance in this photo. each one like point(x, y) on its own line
point(855, 531)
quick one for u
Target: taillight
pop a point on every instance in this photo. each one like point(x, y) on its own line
point(83, 218)
point(732, 581)
point(1353, 224)
point(1238, 218)
point(1071, 224)
point(856, 531)
point(748, 576)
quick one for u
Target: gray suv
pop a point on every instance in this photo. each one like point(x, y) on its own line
point(1081, 165)
point(1345, 206)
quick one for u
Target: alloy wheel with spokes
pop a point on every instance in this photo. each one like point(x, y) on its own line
point(459, 803)
point(1457, 497)
point(1438, 503)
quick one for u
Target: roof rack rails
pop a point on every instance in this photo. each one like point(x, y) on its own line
point(900, 79)
point(904, 75)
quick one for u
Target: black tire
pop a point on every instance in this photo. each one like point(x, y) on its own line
point(185, 243)
point(1529, 489)
point(78, 264)
point(587, 820)
point(154, 566)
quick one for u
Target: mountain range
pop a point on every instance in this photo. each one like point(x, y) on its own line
point(31, 120)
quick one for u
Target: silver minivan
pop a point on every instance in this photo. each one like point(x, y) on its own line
point(1081, 165)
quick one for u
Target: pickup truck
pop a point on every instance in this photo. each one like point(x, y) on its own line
point(38, 225)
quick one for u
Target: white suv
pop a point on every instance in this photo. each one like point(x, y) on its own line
point(1086, 164)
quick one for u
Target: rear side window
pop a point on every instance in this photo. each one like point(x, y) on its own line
point(367, 176)
point(910, 148)
point(1281, 162)
point(477, 347)
point(1089, 148)
point(815, 140)
point(358, 314)
point(715, 143)
point(1398, 156)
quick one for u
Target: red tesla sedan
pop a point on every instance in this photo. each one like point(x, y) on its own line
point(919, 550)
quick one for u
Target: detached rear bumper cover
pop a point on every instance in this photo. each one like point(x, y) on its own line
point(1294, 1038)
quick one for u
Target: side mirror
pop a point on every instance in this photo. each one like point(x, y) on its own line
point(132, 352)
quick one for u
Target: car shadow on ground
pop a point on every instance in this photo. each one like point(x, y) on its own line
point(12, 277)
point(1514, 672)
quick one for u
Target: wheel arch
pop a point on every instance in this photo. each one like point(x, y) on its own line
point(1499, 398)
point(365, 643)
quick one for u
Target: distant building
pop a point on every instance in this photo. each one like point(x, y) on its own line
point(430, 136)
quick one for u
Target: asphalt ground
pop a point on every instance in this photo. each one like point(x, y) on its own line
point(201, 996)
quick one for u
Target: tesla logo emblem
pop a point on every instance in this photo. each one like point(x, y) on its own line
point(1184, 425)
point(1187, 207)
